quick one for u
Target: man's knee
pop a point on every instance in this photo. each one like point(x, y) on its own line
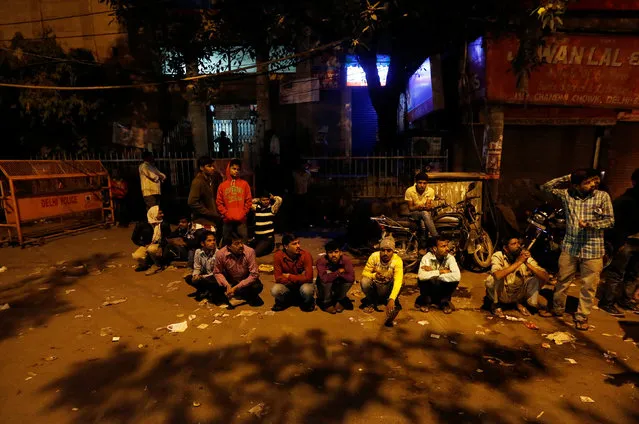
point(279, 290)
point(139, 254)
point(307, 291)
point(256, 288)
point(367, 284)
point(154, 249)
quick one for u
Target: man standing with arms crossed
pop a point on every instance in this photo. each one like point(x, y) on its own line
point(588, 213)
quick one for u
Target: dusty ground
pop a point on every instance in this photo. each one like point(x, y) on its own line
point(58, 362)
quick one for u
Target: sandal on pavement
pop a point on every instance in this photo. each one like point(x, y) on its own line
point(544, 313)
point(368, 309)
point(582, 325)
point(523, 310)
point(499, 313)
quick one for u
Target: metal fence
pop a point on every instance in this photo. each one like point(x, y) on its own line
point(358, 177)
point(372, 176)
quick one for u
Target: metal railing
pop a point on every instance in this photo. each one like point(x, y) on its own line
point(373, 176)
point(358, 177)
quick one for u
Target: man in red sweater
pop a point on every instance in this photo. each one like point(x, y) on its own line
point(293, 268)
point(233, 202)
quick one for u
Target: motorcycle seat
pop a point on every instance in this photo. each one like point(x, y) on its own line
point(447, 220)
point(407, 222)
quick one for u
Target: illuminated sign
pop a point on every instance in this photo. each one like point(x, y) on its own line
point(355, 75)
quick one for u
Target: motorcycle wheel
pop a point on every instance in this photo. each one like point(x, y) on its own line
point(408, 250)
point(483, 254)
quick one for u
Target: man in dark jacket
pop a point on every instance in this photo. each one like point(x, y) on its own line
point(203, 194)
point(621, 276)
point(151, 237)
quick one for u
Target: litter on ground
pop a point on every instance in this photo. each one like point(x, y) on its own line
point(178, 327)
point(586, 399)
point(202, 326)
point(246, 314)
point(110, 302)
point(424, 322)
point(570, 360)
point(561, 337)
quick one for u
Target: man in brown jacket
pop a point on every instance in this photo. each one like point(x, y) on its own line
point(203, 193)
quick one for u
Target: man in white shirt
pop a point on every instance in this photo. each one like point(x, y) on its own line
point(420, 202)
point(150, 180)
point(438, 277)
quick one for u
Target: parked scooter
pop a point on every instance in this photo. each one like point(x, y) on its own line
point(545, 231)
point(462, 225)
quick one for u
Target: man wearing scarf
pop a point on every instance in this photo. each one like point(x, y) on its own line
point(151, 238)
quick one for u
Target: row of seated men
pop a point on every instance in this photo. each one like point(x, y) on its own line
point(232, 272)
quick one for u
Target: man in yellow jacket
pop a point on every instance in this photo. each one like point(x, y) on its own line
point(382, 280)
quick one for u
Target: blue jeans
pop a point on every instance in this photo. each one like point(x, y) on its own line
point(284, 293)
point(425, 222)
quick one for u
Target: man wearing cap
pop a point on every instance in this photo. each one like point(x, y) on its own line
point(382, 280)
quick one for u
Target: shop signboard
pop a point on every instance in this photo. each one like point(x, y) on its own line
point(578, 70)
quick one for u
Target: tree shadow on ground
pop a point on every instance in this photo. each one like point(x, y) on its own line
point(36, 298)
point(305, 378)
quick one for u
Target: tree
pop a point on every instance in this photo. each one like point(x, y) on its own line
point(409, 31)
point(50, 117)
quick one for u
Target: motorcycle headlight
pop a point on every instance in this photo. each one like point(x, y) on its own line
point(538, 217)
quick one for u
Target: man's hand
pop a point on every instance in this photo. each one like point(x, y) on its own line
point(427, 268)
point(230, 292)
point(444, 271)
point(197, 278)
point(523, 256)
point(286, 276)
point(379, 276)
point(390, 307)
point(341, 270)
point(584, 224)
point(429, 205)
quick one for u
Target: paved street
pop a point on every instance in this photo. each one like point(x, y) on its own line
point(59, 363)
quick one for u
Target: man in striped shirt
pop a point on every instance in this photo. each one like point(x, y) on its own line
point(265, 209)
point(588, 213)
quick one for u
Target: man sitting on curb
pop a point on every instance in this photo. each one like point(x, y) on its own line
point(438, 277)
point(236, 273)
point(382, 280)
point(515, 277)
point(293, 270)
point(202, 278)
point(335, 276)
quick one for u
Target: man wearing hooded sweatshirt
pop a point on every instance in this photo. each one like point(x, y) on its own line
point(151, 237)
point(233, 202)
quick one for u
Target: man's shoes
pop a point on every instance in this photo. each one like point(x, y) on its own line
point(447, 308)
point(629, 305)
point(331, 310)
point(141, 268)
point(612, 310)
point(307, 307)
point(256, 301)
point(278, 307)
point(346, 304)
point(154, 269)
point(339, 308)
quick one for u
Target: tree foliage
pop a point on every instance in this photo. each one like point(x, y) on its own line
point(40, 117)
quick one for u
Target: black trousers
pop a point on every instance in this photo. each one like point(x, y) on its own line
point(435, 291)
point(218, 292)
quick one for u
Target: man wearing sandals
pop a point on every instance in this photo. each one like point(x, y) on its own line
point(438, 278)
point(382, 280)
point(588, 213)
point(515, 278)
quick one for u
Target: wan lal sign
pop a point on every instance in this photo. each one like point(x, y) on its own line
point(579, 70)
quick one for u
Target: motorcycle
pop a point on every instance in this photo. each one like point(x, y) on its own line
point(543, 236)
point(462, 226)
